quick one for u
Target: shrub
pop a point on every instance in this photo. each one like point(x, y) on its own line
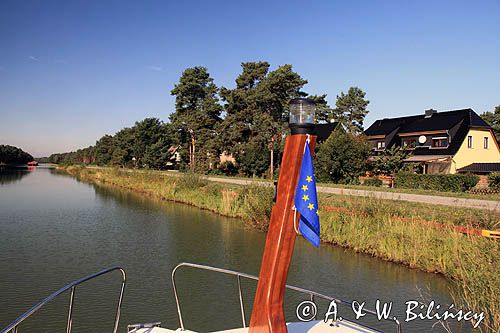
point(341, 158)
point(257, 203)
point(494, 180)
point(228, 168)
point(443, 183)
point(191, 181)
point(373, 182)
point(391, 162)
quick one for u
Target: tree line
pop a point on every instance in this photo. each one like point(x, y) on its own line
point(11, 155)
point(247, 123)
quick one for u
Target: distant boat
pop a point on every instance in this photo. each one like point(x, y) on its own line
point(33, 163)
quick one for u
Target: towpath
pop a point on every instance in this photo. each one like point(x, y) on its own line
point(490, 205)
point(421, 198)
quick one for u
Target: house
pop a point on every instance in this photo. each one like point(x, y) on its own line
point(443, 142)
point(323, 131)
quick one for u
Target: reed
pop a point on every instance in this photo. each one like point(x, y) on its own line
point(400, 232)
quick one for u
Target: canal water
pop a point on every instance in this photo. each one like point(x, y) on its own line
point(55, 229)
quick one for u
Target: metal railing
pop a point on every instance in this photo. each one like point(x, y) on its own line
point(13, 327)
point(239, 275)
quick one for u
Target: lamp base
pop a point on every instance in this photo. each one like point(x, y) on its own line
point(302, 129)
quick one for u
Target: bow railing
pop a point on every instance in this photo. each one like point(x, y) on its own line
point(239, 275)
point(13, 327)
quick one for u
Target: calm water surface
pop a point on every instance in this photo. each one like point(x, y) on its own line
point(55, 229)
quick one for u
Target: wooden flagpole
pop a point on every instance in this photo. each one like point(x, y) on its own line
point(268, 313)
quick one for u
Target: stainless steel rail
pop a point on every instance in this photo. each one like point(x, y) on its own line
point(239, 275)
point(13, 327)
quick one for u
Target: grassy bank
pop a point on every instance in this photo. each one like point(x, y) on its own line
point(401, 232)
point(465, 195)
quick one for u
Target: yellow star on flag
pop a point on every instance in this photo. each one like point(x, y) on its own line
point(310, 206)
point(317, 212)
point(305, 197)
point(304, 187)
point(309, 179)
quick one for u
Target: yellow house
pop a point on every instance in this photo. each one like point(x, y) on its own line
point(479, 146)
point(443, 142)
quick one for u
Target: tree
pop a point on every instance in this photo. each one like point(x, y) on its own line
point(104, 148)
point(390, 162)
point(146, 133)
point(324, 114)
point(342, 157)
point(493, 118)
point(256, 114)
point(124, 142)
point(351, 109)
point(158, 155)
point(119, 157)
point(13, 155)
point(197, 112)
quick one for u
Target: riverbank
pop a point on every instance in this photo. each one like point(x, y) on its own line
point(389, 230)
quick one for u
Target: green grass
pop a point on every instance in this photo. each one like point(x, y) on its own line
point(465, 195)
point(390, 230)
point(495, 197)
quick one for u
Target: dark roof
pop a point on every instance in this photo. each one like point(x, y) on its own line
point(480, 168)
point(323, 131)
point(438, 121)
point(387, 125)
point(457, 124)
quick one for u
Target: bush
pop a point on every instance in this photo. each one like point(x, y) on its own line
point(494, 180)
point(191, 181)
point(227, 168)
point(390, 162)
point(373, 182)
point(443, 183)
point(341, 158)
point(257, 203)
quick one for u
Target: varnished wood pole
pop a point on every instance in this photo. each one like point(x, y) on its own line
point(268, 313)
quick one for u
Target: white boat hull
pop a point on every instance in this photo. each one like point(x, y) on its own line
point(309, 327)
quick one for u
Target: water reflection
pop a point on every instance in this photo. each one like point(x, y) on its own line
point(56, 229)
point(10, 175)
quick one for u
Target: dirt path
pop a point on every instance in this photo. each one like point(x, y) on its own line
point(490, 205)
point(428, 199)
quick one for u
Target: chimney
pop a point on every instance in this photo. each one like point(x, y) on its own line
point(429, 113)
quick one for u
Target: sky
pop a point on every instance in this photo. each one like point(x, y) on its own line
point(72, 71)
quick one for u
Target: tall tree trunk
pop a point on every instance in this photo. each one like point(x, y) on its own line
point(272, 163)
point(193, 142)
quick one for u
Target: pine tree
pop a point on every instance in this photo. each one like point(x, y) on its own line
point(197, 112)
point(351, 109)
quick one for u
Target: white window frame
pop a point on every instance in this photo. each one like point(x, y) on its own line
point(486, 143)
point(440, 138)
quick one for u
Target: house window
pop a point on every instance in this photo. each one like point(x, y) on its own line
point(469, 141)
point(440, 142)
point(380, 145)
point(485, 142)
point(409, 143)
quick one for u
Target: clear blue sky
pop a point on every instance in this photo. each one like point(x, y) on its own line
point(72, 71)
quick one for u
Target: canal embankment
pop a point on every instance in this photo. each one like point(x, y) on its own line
point(386, 229)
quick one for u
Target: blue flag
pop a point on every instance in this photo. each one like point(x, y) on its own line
point(306, 201)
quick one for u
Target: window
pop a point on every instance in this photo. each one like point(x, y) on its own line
point(409, 143)
point(381, 145)
point(440, 142)
point(469, 141)
point(485, 142)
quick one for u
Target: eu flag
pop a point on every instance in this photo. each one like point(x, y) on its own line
point(306, 201)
